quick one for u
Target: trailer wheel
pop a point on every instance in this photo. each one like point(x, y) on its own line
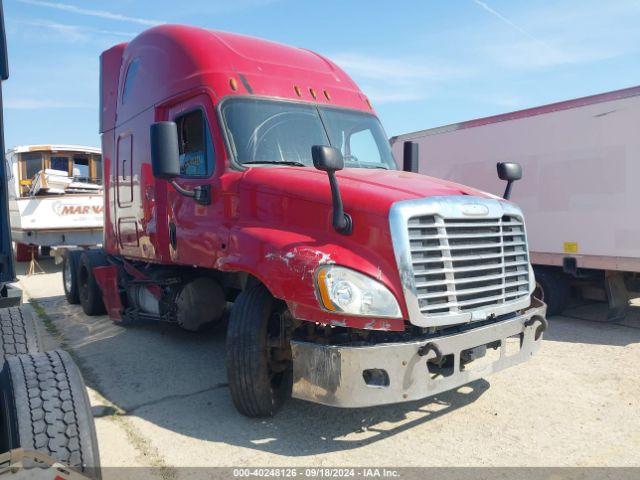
point(259, 369)
point(25, 251)
point(70, 263)
point(17, 333)
point(553, 288)
point(88, 288)
point(45, 407)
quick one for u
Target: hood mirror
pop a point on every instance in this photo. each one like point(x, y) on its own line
point(330, 160)
point(509, 171)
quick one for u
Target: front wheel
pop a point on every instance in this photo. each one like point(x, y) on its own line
point(259, 365)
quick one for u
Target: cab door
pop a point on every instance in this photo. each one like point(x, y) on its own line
point(194, 229)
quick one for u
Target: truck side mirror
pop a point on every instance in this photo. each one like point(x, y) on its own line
point(327, 159)
point(165, 154)
point(410, 157)
point(330, 160)
point(509, 171)
point(165, 160)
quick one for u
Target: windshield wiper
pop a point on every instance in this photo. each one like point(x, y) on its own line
point(369, 167)
point(271, 162)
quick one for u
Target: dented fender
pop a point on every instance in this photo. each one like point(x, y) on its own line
point(286, 263)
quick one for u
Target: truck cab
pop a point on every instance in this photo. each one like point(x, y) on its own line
point(246, 171)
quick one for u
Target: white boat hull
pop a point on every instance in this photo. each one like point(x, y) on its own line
point(57, 220)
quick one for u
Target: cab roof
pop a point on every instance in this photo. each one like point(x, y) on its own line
point(165, 61)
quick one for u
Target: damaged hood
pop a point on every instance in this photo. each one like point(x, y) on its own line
point(370, 190)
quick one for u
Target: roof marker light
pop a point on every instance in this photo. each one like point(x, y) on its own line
point(297, 90)
point(368, 103)
point(233, 84)
point(313, 93)
point(326, 95)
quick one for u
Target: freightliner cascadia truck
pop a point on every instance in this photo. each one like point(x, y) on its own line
point(238, 170)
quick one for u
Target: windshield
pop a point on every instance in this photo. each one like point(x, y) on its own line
point(264, 131)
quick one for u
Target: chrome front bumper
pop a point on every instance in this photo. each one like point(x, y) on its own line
point(335, 375)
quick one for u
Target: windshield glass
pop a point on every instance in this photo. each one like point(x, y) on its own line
point(264, 131)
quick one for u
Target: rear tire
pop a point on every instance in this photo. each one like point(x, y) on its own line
point(18, 333)
point(88, 289)
point(554, 288)
point(45, 407)
point(70, 265)
point(259, 383)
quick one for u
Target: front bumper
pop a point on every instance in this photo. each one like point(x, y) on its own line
point(335, 375)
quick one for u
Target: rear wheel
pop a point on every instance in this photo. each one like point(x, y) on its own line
point(45, 407)
point(70, 263)
point(88, 288)
point(259, 363)
point(553, 288)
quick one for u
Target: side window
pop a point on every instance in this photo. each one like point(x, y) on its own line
point(96, 175)
point(196, 148)
point(59, 163)
point(363, 147)
point(31, 164)
point(81, 167)
point(129, 80)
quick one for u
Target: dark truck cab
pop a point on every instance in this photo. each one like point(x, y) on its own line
point(246, 171)
point(8, 296)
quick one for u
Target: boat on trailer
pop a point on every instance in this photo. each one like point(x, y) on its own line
point(55, 197)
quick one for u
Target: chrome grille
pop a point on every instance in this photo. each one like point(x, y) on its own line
point(462, 264)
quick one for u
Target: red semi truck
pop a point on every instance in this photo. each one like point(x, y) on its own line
point(241, 170)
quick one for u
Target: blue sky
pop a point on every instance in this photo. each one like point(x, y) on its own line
point(423, 63)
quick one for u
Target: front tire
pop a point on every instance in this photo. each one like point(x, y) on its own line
point(259, 365)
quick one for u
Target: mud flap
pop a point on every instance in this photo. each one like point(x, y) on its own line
point(107, 278)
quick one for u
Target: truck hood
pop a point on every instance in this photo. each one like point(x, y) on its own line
point(370, 190)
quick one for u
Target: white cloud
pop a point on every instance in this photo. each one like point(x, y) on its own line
point(74, 33)
point(565, 35)
point(506, 20)
point(38, 103)
point(92, 13)
point(387, 79)
point(386, 68)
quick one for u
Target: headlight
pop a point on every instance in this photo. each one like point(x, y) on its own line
point(346, 291)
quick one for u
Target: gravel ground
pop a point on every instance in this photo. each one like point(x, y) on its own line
point(161, 400)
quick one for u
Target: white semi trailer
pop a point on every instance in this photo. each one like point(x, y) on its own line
point(580, 188)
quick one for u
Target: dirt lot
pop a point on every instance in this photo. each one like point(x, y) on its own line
point(161, 398)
